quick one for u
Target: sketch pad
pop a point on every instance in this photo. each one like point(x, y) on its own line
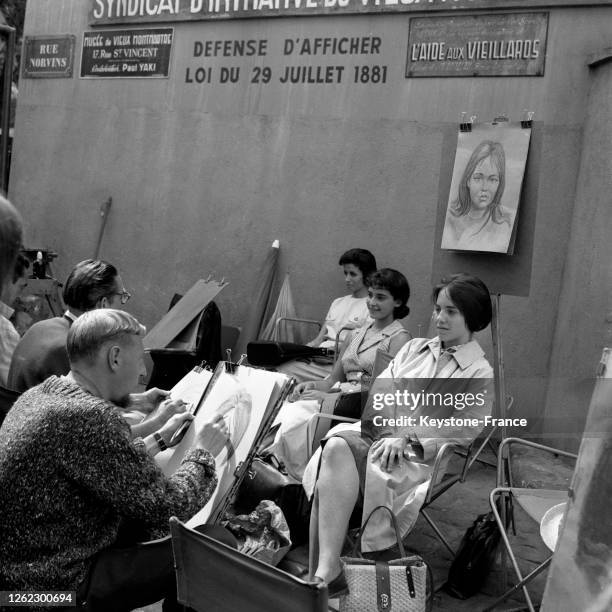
point(192, 386)
point(247, 399)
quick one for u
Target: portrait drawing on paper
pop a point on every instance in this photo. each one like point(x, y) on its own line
point(485, 189)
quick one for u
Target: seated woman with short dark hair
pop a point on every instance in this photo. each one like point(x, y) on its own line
point(382, 463)
point(387, 300)
point(349, 311)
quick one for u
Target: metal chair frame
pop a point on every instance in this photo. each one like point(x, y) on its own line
point(435, 489)
point(502, 489)
point(312, 322)
point(277, 325)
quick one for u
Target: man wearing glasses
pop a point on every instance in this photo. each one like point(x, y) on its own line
point(42, 350)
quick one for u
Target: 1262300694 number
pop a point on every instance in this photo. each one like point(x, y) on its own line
point(370, 74)
point(37, 598)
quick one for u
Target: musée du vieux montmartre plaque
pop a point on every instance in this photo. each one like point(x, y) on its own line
point(127, 53)
point(512, 44)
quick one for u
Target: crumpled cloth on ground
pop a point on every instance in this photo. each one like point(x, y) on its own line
point(263, 534)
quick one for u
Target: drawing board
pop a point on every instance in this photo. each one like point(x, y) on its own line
point(245, 398)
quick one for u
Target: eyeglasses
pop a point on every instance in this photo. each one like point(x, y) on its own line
point(124, 296)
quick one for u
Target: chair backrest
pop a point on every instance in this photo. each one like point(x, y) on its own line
point(293, 329)
point(213, 577)
point(381, 361)
point(7, 399)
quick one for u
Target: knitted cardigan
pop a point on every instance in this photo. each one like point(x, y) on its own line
point(70, 475)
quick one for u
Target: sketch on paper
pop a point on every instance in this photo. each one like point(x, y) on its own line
point(243, 399)
point(485, 190)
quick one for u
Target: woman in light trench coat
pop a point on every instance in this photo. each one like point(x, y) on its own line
point(387, 459)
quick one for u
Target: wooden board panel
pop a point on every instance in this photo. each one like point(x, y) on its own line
point(103, 12)
point(181, 315)
point(505, 274)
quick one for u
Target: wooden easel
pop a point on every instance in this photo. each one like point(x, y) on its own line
point(498, 362)
point(501, 405)
point(502, 274)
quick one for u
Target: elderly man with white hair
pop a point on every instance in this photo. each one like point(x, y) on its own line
point(78, 491)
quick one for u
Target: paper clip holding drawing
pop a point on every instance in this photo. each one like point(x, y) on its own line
point(465, 122)
point(230, 367)
point(464, 125)
point(527, 119)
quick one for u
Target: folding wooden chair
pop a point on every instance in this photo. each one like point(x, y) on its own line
point(213, 577)
point(535, 501)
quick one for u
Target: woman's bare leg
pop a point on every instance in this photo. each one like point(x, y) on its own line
point(336, 494)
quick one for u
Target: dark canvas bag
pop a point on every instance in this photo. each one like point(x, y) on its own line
point(269, 353)
point(476, 555)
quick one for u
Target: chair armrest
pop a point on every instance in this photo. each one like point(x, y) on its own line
point(337, 344)
point(298, 320)
point(332, 417)
point(283, 336)
point(445, 449)
point(507, 442)
point(313, 436)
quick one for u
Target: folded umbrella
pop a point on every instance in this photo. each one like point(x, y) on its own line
point(261, 299)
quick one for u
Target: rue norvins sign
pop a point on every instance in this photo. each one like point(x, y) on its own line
point(47, 57)
point(146, 11)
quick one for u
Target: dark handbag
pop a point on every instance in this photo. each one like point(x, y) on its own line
point(268, 353)
point(267, 479)
point(476, 555)
point(401, 585)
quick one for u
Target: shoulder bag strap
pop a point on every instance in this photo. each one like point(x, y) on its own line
point(400, 544)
